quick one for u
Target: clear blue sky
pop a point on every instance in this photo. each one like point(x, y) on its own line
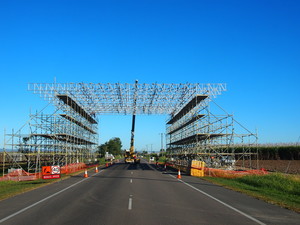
point(253, 46)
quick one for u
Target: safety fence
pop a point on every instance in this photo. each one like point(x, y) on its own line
point(22, 175)
point(198, 169)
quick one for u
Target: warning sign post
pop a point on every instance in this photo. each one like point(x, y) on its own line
point(51, 172)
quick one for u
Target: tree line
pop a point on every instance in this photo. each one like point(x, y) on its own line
point(274, 152)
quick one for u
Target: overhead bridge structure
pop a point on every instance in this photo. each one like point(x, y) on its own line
point(69, 134)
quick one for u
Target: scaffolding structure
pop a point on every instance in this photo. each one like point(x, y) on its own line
point(198, 133)
point(66, 136)
point(70, 133)
point(117, 98)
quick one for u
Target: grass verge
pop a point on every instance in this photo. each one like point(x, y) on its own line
point(11, 188)
point(279, 189)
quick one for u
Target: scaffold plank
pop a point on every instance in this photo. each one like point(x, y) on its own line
point(190, 105)
point(66, 138)
point(195, 138)
point(70, 102)
point(78, 123)
point(193, 119)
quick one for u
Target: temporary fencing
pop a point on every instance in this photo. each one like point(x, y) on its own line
point(22, 175)
point(72, 168)
point(198, 169)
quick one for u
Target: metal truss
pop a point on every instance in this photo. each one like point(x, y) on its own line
point(196, 132)
point(117, 98)
point(70, 133)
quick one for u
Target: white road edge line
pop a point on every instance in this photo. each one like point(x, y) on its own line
point(130, 204)
point(223, 203)
point(34, 204)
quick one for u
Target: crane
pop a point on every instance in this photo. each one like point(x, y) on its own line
point(130, 155)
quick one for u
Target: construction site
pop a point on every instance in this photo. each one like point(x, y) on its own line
point(197, 127)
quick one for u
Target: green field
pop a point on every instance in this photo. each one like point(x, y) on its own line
point(279, 189)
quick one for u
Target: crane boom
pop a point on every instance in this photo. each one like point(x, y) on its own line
point(130, 157)
point(132, 135)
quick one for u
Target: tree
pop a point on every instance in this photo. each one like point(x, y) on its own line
point(113, 146)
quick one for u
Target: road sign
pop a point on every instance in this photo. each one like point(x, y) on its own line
point(55, 169)
point(51, 172)
point(46, 170)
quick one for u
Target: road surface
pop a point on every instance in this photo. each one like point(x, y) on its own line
point(139, 195)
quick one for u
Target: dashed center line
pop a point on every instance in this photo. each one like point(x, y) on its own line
point(130, 203)
point(130, 180)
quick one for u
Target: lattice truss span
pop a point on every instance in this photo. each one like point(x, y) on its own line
point(117, 98)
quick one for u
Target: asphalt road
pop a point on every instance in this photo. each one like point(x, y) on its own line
point(139, 195)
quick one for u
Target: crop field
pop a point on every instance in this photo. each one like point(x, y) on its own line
point(282, 166)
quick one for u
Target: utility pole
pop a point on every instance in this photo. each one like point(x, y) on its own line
point(162, 142)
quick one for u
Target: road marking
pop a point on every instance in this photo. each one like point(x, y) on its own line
point(130, 203)
point(223, 203)
point(130, 180)
point(131, 172)
point(34, 204)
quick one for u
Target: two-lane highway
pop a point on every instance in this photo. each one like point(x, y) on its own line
point(139, 194)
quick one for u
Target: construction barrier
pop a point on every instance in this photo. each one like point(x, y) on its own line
point(72, 168)
point(22, 175)
point(197, 168)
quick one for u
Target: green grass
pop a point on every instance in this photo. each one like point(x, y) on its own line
point(12, 188)
point(280, 189)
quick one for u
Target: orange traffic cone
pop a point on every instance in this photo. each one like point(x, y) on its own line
point(96, 169)
point(179, 174)
point(86, 174)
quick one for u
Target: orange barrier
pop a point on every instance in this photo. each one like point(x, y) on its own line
point(72, 168)
point(199, 170)
point(22, 175)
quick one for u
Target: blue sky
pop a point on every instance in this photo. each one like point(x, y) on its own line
point(253, 46)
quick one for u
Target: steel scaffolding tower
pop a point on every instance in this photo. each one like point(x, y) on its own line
point(66, 136)
point(69, 134)
point(195, 132)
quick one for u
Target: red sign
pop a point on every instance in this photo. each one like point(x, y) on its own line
point(51, 172)
point(46, 170)
point(51, 176)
